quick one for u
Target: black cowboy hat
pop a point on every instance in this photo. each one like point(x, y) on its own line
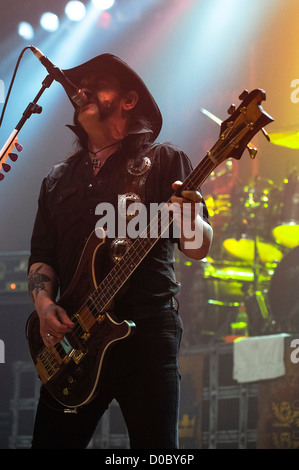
point(113, 65)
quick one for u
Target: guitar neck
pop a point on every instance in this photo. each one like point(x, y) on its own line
point(198, 176)
point(142, 245)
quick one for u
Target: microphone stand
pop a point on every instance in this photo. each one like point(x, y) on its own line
point(32, 108)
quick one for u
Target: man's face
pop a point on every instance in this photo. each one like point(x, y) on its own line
point(104, 96)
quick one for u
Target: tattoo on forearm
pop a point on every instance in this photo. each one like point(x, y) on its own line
point(36, 281)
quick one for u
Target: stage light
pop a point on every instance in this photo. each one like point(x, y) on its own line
point(105, 20)
point(25, 30)
point(103, 4)
point(49, 21)
point(75, 10)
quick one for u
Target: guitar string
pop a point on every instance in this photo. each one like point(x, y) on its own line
point(191, 179)
point(134, 254)
point(47, 355)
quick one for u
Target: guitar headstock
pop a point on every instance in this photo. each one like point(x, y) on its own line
point(237, 131)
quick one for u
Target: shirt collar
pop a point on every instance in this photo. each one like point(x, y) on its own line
point(134, 131)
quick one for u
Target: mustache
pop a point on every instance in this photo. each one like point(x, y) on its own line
point(91, 99)
point(105, 109)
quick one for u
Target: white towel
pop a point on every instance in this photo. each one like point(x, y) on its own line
point(259, 358)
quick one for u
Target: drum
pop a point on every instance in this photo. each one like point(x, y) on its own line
point(286, 230)
point(248, 237)
point(228, 282)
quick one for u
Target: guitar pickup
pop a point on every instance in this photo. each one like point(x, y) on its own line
point(77, 356)
point(82, 327)
point(74, 352)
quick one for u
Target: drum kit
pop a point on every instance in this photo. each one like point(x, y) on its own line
point(255, 254)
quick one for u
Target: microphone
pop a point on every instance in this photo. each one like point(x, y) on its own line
point(78, 96)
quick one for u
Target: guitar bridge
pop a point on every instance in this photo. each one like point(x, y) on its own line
point(51, 359)
point(48, 363)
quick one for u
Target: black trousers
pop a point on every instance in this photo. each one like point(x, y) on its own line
point(142, 374)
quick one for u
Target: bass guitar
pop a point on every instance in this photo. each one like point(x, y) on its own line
point(71, 370)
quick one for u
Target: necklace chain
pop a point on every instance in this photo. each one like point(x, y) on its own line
point(96, 162)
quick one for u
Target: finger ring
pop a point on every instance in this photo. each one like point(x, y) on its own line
point(48, 335)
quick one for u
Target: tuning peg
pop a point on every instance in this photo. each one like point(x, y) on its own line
point(13, 157)
point(244, 95)
point(265, 133)
point(6, 167)
point(231, 109)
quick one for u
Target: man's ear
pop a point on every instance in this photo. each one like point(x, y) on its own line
point(130, 100)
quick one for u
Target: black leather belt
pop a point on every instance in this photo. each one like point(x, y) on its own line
point(145, 311)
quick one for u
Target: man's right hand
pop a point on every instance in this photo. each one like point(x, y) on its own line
point(54, 323)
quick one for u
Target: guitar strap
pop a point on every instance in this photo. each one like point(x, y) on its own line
point(137, 174)
point(134, 176)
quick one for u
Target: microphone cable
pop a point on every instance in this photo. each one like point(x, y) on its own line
point(12, 82)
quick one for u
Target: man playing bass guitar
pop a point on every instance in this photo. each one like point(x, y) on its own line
point(118, 164)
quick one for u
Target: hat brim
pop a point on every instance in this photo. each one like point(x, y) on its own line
point(113, 65)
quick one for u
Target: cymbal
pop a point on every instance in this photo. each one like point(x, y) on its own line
point(288, 139)
point(244, 248)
